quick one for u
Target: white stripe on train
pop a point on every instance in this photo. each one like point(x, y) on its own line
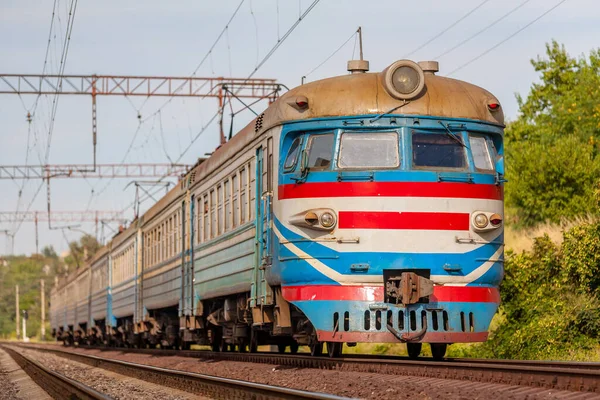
point(343, 279)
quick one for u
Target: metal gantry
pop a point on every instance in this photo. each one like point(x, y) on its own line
point(220, 88)
point(88, 171)
point(145, 86)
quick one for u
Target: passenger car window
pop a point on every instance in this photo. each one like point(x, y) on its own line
point(435, 150)
point(369, 150)
point(319, 151)
point(481, 153)
point(292, 157)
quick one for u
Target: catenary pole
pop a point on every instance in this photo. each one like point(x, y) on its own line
point(17, 311)
point(43, 310)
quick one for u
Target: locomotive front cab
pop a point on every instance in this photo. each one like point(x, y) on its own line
point(389, 228)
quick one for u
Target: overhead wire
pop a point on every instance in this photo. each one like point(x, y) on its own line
point(277, 9)
point(452, 25)
point(463, 42)
point(229, 53)
point(255, 30)
point(260, 64)
point(207, 55)
point(354, 34)
point(162, 137)
point(31, 115)
point(506, 39)
point(283, 38)
point(63, 62)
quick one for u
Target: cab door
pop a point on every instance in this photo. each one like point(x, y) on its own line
point(187, 265)
point(261, 293)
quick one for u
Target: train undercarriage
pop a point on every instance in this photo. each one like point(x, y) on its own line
point(224, 324)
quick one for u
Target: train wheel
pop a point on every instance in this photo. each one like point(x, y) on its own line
point(184, 345)
point(438, 350)
point(242, 346)
point(294, 348)
point(281, 348)
point(216, 337)
point(414, 350)
point(316, 348)
point(334, 349)
point(223, 346)
point(253, 347)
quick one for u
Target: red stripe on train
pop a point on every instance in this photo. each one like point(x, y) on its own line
point(469, 294)
point(391, 189)
point(403, 220)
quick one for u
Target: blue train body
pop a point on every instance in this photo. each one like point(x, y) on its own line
point(347, 212)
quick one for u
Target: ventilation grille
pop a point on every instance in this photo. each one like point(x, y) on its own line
point(192, 179)
point(259, 123)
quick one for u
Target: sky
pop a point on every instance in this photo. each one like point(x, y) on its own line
point(159, 38)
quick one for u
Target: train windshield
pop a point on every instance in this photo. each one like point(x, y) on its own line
point(320, 148)
point(369, 150)
point(438, 150)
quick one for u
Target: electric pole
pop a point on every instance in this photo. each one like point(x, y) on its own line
point(25, 316)
point(43, 311)
point(17, 311)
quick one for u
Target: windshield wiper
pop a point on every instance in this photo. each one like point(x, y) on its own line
point(390, 111)
point(452, 135)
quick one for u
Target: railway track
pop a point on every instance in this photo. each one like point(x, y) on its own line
point(56, 385)
point(568, 376)
point(204, 385)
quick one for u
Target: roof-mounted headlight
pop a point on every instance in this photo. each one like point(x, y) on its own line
point(404, 79)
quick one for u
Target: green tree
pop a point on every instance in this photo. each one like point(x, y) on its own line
point(81, 251)
point(553, 147)
point(49, 252)
point(551, 181)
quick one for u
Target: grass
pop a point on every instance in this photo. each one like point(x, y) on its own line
point(521, 239)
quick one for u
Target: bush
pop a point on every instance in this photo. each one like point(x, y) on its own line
point(581, 256)
point(550, 307)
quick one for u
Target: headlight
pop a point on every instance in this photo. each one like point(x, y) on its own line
point(327, 219)
point(480, 220)
point(404, 80)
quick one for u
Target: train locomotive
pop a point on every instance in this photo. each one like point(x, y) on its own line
point(366, 207)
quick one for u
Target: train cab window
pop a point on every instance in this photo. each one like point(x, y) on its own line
point(292, 156)
point(320, 148)
point(481, 153)
point(434, 150)
point(369, 150)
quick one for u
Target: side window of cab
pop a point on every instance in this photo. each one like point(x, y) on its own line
point(317, 154)
point(292, 155)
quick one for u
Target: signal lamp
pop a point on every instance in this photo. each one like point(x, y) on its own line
point(496, 219)
point(301, 101)
point(494, 106)
point(311, 218)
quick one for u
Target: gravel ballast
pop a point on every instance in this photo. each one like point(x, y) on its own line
point(342, 383)
point(115, 385)
point(8, 390)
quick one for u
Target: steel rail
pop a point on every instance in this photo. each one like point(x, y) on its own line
point(56, 385)
point(583, 377)
point(206, 385)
